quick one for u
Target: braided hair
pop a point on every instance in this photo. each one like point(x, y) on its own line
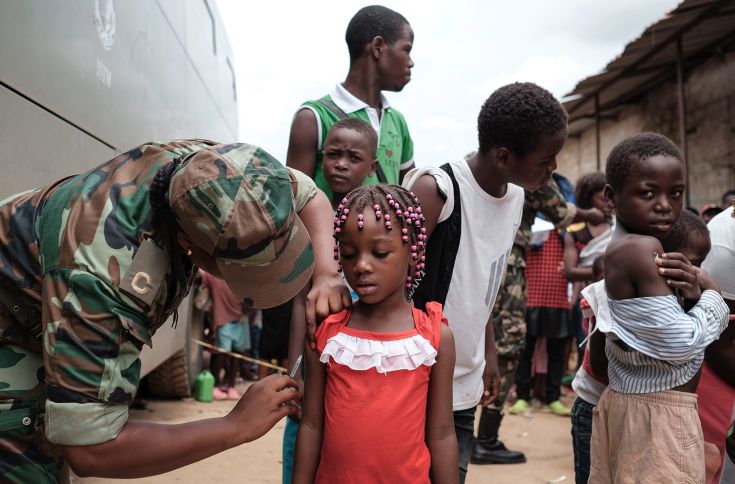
point(158, 195)
point(165, 226)
point(395, 206)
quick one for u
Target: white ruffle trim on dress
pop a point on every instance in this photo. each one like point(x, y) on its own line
point(384, 356)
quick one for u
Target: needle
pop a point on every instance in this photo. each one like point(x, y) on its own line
point(296, 365)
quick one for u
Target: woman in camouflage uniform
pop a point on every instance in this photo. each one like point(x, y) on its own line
point(92, 265)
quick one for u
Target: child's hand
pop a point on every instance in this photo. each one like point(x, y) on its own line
point(680, 274)
point(328, 295)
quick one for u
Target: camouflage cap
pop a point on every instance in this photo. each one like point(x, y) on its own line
point(236, 202)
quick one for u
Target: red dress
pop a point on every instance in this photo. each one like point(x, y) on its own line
point(375, 400)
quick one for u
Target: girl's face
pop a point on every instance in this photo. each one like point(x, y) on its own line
point(375, 261)
point(650, 200)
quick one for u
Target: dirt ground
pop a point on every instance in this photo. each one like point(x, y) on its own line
point(544, 438)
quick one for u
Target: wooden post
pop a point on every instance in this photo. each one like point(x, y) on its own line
point(597, 130)
point(682, 115)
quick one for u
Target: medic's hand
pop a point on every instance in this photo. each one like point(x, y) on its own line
point(263, 405)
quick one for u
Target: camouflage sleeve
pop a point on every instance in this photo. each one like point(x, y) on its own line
point(305, 188)
point(551, 202)
point(92, 343)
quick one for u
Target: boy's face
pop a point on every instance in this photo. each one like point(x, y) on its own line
point(534, 169)
point(395, 63)
point(651, 198)
point(697, 248)
point(375, 261)
point(348, 159)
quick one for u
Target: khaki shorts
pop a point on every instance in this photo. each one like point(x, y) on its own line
point(646, 438)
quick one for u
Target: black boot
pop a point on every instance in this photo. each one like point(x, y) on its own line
point(487, 448)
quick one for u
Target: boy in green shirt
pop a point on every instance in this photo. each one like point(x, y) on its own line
point(379, 42)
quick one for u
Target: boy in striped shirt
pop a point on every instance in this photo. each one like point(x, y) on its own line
point(646, 427)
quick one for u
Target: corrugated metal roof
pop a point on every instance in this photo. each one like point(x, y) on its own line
point(704, 27)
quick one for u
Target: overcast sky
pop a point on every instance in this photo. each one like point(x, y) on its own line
point(286, 52)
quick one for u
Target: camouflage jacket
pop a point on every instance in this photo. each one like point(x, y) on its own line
point(549, 201)
point(67, 246)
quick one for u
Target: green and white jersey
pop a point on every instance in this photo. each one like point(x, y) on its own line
point(395, 146)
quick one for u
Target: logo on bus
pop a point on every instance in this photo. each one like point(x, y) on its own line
point(104, 19)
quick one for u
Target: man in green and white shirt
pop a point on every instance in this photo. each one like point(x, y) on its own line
point(379, 41)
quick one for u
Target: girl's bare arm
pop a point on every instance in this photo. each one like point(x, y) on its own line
point(440, 436)
point(311, 429)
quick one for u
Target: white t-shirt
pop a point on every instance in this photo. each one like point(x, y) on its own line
point(489, 226)
point(720, 262)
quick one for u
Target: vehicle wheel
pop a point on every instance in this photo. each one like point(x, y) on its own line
point(171, 378)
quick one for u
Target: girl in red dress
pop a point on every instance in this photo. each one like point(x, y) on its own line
point(378, 387)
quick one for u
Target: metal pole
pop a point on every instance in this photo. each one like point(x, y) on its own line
point(597, 129)
point(681, 101)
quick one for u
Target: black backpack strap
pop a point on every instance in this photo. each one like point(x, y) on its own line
point(329, 104)
point(337, 111)
point(441, 252)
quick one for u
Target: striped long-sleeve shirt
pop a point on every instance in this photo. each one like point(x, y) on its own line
point(654, 345)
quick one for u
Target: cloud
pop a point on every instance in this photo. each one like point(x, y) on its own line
point(557, 74)
point(288, 52)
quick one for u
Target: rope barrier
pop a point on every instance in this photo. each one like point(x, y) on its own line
point(279, 369)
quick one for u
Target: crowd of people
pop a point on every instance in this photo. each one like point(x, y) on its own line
point(413, 295)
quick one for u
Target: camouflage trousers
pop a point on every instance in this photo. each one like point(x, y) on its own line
point(509, 323)
point(25, 454)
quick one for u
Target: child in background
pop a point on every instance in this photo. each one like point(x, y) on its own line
point(585, 242)
point(473, 208)
point(588, 384)
point(645, 425)
point(716, 389)
point(378, 394)
point(549, 328)
point(349, 158)
point(721, 354)
point(690, 238)
point(231, 334)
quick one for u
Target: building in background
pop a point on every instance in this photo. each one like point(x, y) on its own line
point(677, 79)
point(80, 82)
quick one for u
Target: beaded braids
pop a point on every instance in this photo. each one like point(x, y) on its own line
point(397, 208)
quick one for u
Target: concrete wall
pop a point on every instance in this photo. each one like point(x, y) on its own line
point(710, 108)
